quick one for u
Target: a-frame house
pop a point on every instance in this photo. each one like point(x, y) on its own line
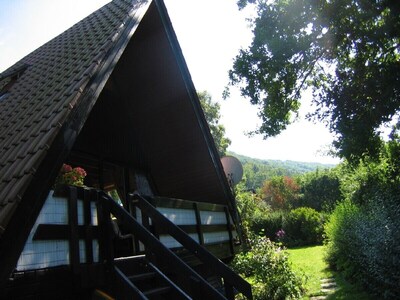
point(112, 95)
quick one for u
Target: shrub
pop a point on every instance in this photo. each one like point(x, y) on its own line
point(340, 234)
point(364, 243)
point(250, 208)
point(320, 189)
point(363, 236)
point(379, 238)
point(268, 267)
point(303, 226)
point(268, 224)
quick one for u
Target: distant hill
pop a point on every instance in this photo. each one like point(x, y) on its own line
point(256, 171)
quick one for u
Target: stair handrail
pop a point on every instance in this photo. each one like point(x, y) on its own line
point(154, 245)
point(231, 279)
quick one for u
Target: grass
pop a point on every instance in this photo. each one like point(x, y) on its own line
point(309, 261)
point(347, 291)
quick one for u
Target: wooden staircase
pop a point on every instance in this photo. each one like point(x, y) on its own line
point(144, 277)
point(160, 273)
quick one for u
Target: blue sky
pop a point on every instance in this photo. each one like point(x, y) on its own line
point(210, 33)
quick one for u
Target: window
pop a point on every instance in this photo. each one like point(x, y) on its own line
point(8, 80)
point(2, 96)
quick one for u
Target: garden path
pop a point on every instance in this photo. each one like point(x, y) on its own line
point(328, 286)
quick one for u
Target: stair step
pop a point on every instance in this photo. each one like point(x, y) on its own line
point(142, 276)
point(157, 291)
point(132, 264)
point(135, 258)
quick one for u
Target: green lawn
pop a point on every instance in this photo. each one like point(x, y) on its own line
point(309, 261)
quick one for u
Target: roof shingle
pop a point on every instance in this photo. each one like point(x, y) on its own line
point(35, 107)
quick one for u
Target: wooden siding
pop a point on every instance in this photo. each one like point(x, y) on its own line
point(208, 224)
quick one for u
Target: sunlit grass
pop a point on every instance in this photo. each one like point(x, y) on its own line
point(309, 261)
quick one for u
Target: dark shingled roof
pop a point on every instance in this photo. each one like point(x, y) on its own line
point(41, 90)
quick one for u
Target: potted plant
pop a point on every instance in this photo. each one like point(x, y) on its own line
point(70, 176)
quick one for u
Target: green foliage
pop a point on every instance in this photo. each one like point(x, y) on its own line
point(363, 243)
point(349, 290)
point(250, 207)
point(363, 237)
point(280, 192)
point(268, 224)
point(268, 267)
point(320, 189)
point(70, 176)
point(212, 113)
point(303, 226)
point(309, 260)
point(257, 170)
point(347, 51)
point(361, 183)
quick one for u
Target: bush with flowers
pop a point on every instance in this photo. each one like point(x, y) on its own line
point(70, 176)
point(267, 267)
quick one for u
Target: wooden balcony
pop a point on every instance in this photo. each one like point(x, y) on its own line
point(95, 240)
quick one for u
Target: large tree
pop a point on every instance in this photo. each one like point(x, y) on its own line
point(348, 51)
point(320, 190)
point(212, 113)
point(280, 192)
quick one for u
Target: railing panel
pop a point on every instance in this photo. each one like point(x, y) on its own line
point(229, 277)
point(154, 246)
point(212, 217)
point(65, 232)
point(206, 220)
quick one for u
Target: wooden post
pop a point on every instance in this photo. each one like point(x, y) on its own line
point(150, 255)
point(126, 188)
point(101, 174)
point(228, 226)
point(106, 236)
point(87, 214)
point(229, 291)
point(198, 224)
point(73, 229)
point(132, 210)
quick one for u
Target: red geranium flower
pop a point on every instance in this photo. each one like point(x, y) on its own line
point(71, 176)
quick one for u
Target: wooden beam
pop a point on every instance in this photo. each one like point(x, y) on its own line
point(62, 232)
point(74, 259)
point(87, 214)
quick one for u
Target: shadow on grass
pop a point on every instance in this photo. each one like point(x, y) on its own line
point(347, 291)
point(309, 260)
